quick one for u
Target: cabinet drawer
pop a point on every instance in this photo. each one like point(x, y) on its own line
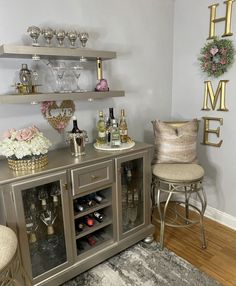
point(93, 176)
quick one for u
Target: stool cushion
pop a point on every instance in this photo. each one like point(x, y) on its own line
point(8, 245)
point(178, 172)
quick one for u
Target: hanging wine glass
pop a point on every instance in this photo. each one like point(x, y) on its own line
point(72, 36)
point(83, 37)
point(60, 36)
point(48, 34)
point(34, 33)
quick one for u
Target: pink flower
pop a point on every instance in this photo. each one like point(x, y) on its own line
point(45, 105)
point(223, 61)
point(214, 51)
point(7, 134)
point(60, 126)
point(25, 134)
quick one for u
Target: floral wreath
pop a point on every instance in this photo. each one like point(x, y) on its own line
point(216, 57)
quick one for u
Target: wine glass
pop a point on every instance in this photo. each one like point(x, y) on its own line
point(60, 36)
point(34, 33)
point(72, 36)
point(59, 71)
point(48, 34)
point(83, 37)
point(76, 69)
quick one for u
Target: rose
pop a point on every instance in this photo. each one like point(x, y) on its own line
point(214, 51)
point(25, 134)
point(7, 134)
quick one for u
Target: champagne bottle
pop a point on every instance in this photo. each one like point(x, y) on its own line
point(115, 134)
point(101, 128)
point(98, 216)
point(109, 125)
point(75, 128)
point(123, 128)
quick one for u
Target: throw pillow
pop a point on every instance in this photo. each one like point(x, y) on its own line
point(175, 143)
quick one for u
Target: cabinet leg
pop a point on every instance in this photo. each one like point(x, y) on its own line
point(149, 239)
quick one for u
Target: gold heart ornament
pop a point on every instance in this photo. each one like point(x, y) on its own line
point(58, 115)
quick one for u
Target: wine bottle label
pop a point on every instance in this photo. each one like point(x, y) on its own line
point(123, 132)
point(101, 134)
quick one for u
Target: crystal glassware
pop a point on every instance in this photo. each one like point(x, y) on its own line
point(43, 196)
point(72, 36)
point(59, 71)
point(76, 69)
point(55, 193)
point(60, 36)
point(48, 217)
point(34, 33)
point(48, 34)
point(83, 36)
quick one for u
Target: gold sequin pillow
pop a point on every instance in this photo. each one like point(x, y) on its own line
point(175, 143)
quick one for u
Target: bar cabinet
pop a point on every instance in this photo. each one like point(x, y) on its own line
point(77, 211)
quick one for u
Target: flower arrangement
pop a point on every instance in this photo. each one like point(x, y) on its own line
point(216, 57)
point(24, 143)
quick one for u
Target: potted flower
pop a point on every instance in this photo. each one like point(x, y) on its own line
point(25, 149)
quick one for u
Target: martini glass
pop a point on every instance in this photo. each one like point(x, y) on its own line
point(76, 69)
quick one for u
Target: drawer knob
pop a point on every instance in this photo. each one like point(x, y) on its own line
point(94, 177)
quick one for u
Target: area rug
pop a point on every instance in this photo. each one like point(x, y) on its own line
point(143, 265)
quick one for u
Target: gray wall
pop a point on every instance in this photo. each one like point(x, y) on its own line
point(190, 34)
point(140, 31)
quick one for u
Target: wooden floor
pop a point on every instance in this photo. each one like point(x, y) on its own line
point(218, 260)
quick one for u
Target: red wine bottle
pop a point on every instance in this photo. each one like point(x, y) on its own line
point(89, 221)
point(91, 240)
point(75, 128)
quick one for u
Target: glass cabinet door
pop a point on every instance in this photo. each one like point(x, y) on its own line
point(132, 192)
point(40, 208)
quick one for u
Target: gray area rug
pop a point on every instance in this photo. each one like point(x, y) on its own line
point(143, 265)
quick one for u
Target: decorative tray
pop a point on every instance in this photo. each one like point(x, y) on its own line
point(123, 146)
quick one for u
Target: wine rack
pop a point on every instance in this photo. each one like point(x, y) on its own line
point(90, 236)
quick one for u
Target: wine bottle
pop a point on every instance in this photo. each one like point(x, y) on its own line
point(109, 125)
point(123, 128)
point(75, 128)
point(90, 202)
point(97, 198)
point(101, 128)
point(91, 240)
point(98, 216)
point(78, 207)
point(89, 221)
point(79, 226)
point(115, 134)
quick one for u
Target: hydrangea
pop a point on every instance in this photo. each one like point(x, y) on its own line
point(24, 143)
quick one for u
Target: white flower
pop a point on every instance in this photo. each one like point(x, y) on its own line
point(24, 142)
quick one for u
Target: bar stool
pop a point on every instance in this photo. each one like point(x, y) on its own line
point(179, 182)
point(176, 177)
point(9, 259)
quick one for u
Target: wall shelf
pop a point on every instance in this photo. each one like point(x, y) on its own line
point(13, 51)
point(39, 97)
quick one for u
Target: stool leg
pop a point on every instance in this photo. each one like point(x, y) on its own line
point(186, 204)
point(203, 202)
point(162, 215)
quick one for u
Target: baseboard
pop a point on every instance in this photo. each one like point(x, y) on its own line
point(219, 216)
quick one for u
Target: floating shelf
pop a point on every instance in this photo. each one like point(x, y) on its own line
point(13, 51)
point(39, 97)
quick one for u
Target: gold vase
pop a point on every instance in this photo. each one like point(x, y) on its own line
point(33, 163)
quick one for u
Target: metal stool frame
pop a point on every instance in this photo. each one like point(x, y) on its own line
point(171, 188)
